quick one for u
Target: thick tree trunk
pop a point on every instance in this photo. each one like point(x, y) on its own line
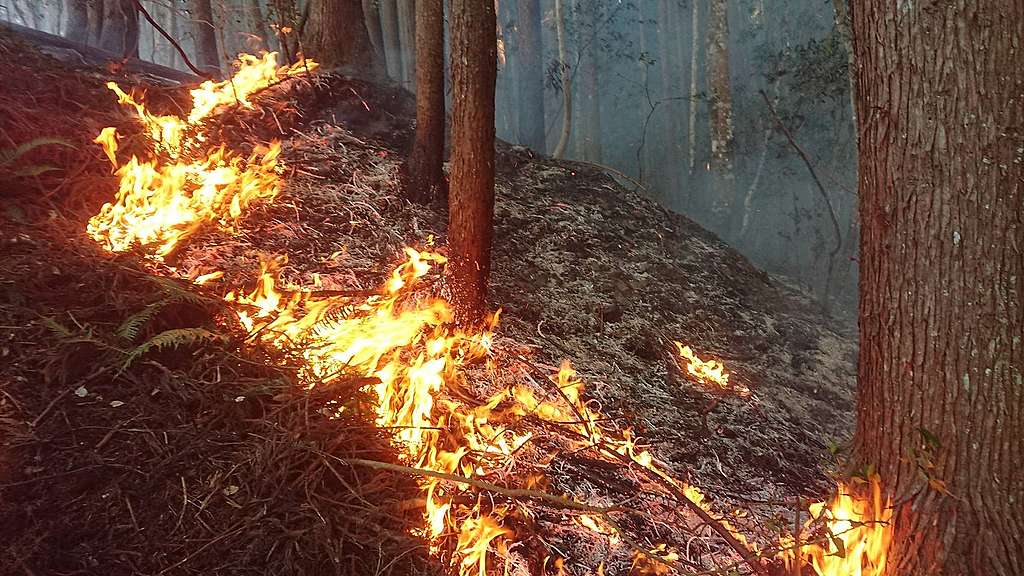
point(391, 39)
point(589, 94)
point(566, 81)
point(531, 76)
point(341, 39)
point(424, 173)
point(77, 23)
point(120, 33)
point(723, 181)
point(471, 197)
point(205, 36)
point(941, 397)
point(407, 40)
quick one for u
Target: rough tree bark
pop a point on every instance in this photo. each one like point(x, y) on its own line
point(471, 197)
point(723, 182)
point(341, 40)
point(205, 36)
point(424, 171)
point(77, 22)
point(531, 76)
point(940, 411)
point(120, 33)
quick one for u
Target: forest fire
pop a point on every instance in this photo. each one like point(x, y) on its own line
point(708, 371)
point(399, 339)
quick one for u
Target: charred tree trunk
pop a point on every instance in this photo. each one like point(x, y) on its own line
point(341, 40)
point(531, 76)
point(471, 197)
point(940, 411)
point(205, 35)
point(723, 181)
point(424, 172)
point(77, 24)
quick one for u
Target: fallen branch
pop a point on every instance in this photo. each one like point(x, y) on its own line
point(174, 43)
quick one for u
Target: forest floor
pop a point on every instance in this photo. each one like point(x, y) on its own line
point(210, 459)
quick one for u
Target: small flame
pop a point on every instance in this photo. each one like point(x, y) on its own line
point(708, 371)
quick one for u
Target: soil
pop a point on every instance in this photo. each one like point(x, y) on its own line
point(207, 458)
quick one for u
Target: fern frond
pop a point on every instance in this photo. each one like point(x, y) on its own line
point(171, 339)
point(178, 292)
point(130, 328)
point(57, 328)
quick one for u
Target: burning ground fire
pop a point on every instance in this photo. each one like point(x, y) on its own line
point(398, 337)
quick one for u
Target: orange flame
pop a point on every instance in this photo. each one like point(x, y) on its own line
point(857, 535)
point(708, 371)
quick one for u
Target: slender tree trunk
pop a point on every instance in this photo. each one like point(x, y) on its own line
point(589, 94)
point(77, 27)
point(120, 33)
point(371, 12)
point(424, 173)
point(531, 76)
point(471, 198)
point(407, 40)
point(173, 57)
point(691, 132)
point(340, 39)
point(205, 36)
point(940, 409)
point(723, 182)
point(670, 123)
point(392, 39)
point(566, 76)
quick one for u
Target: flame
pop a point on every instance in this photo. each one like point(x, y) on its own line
point(857, 534)
point(400, 338)
point(708, 371)
point(186, 183)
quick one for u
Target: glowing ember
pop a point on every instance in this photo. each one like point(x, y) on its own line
point(856, 536)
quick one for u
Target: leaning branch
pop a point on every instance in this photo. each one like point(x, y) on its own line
point(181, 51)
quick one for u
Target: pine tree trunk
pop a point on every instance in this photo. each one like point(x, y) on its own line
point(471, 197)
point(531, 76)
point(941, 122)
point(407, 40)
point(342, 41)
point(391, 39)
point(77, 26)
point(205, 36)
point(723, 182)
point(424, 172)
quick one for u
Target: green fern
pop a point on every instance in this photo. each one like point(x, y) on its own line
point(171, 339)
point(10, 155)
point(130, 328)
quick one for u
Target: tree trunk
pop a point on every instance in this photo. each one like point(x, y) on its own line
point(256, 25)
point(95, 15)
point(371, 12)
point(566, 81)
point(940, 410)
point(723, 182)
point(424, 172)
point(691, 132)
point(531, 76)
point(77, 26)
point(589, 94)
point(471, 197)
point(173, 57)
point(120, 33)
point(340, 39)
point(391, 39)
point(670, 124)
point(205, 36)
point(407, 40)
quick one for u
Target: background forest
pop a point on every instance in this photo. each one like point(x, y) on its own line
point(737, 114)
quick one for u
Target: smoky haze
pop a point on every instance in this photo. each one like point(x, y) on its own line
point(737, 114)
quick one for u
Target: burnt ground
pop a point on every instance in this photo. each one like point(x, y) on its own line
point(207, 458)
